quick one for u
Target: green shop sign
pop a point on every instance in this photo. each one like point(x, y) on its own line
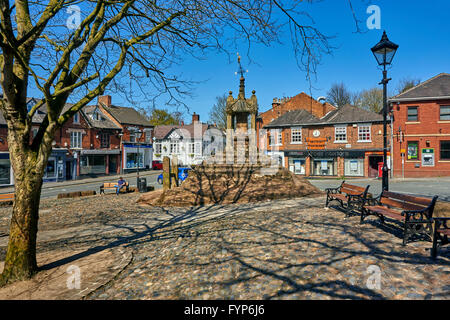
point(428, 157)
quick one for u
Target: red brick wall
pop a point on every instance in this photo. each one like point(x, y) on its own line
point(328, 132)
point(428, 131)
point(4, 141)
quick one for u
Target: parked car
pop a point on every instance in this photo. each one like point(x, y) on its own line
point(157, 165)
point(182, 175)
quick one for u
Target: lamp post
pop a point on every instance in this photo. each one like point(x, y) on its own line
point(138, 134)
point(384, 51)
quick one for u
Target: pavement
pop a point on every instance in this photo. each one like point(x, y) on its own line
point(52, 189)
point(282, 249)
point(414, 186)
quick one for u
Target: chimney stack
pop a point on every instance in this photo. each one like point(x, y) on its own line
point(106, 100)
point(195, 118)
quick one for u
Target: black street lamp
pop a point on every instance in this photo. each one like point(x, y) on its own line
point(138, 134)
point(384, 51)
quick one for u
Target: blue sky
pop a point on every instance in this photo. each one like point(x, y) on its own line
point(420, 28)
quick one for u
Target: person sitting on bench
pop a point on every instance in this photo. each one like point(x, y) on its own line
point(120, 184)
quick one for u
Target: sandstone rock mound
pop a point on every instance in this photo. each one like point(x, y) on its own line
point(225, 184)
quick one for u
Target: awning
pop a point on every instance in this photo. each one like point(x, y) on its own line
point(94, 151)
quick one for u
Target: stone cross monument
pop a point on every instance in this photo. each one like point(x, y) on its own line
point(241, 112)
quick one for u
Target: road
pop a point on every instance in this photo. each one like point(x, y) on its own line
point(420, 186)
point(52, 189)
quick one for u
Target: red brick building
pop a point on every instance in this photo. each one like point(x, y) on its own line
point(136, 135)
point(331, 142)
point(421, 135)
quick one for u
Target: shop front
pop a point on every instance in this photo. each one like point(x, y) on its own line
point(98, 162)
point(135, 156)
point(56, 166)
point(6, 172)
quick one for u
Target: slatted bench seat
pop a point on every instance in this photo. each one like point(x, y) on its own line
point(7, 197)
point(415, 213)
point(349, 196)
point(441, 235)
point(111, 186)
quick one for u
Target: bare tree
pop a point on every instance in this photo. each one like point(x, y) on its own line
point(406, 84)
point(370, 99)
point(339, 95)
point(115, 44)
point(218, 113)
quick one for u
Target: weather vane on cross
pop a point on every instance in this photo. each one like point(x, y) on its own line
point(241, 70)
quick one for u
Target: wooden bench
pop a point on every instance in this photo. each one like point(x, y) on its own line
point(415, 213)
point(440, 235)
point(7, 197)
point(111, 186)
point(349, 196)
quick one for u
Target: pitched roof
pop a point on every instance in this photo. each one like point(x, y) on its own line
point(126, 115)
point(104, 123)
point(351, 114)
point(164, 131)
point(345, 114)
point(294, 117)
point(437, 87)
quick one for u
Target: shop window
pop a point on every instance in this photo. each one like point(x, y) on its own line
point(133, 159)
point(50, 170)
point(5, 172)
point(413, 113)
point(297, 166)
point(340, 134)
point(444, 113)
point(445, 150)
point(354, 167)
point(413, 150)
point(364, 134)
point(324, 167)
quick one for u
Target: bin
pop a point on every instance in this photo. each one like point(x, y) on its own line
point(142, 184)
point(380, 169)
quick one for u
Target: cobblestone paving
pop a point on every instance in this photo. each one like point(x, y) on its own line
point(285, 249)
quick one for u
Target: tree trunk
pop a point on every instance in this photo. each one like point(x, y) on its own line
point(20, 262)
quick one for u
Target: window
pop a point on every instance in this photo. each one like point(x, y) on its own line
point(76, 118)
point(275, 137)
point(174, 147)
point(158, 148)
point(75, 139)
point(340, 134)
point(413, 114)
point(198, 148)
point(413, 150)
point(132, 136)
point(445, 150)
point(50, 170)
point(34, 132)
point(296, 135)
point(104, 139)
point(445, 113)
point(191, 148)
point(364, 133)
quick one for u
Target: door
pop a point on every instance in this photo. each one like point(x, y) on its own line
point(68, 170)
point(373, 165)
point(112, 164)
